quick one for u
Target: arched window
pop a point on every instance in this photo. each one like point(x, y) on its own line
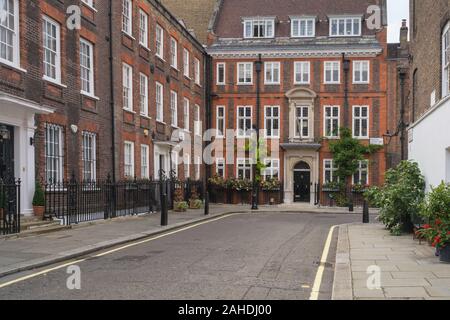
point(446, 60)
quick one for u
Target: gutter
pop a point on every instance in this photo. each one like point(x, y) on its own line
point(111, 84)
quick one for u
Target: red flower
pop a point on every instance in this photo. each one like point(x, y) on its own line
point(448, 233)
point(427, 226)
point(438, 222)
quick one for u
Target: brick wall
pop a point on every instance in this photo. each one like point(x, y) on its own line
point(428, 18)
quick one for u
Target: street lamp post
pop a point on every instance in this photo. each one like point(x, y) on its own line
point(255, 191)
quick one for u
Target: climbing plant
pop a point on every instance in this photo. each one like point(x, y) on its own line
point(347, 152)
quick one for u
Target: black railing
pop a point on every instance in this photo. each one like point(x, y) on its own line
point(73, 202)
point(9, 206)
point(335, 197)
point(225, 195)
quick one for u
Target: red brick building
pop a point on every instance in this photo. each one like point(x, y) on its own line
point(84, 94)
point(322, 68)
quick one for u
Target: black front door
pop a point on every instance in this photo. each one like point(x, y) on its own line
point(6, 153)
point(302, 186)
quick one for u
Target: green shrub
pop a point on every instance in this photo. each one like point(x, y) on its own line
point(39, 197)
point(181, 206)
point(400, 198)
point(437, 205)
point(196, 203)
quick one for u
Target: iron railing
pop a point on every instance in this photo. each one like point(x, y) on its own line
point(334, 197)
point(73, 202)
point(9, 206)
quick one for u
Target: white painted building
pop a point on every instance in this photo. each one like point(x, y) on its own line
point(429, 143)
point(17, 156)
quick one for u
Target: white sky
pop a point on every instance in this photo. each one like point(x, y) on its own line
point(397, 10)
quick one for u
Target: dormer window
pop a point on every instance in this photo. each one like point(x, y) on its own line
point(259, 28)
point(303, 27)
point(345, 26)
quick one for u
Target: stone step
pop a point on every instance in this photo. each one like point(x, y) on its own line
point(35, 224)
point(43, 230)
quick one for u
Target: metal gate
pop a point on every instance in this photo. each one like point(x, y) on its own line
point(9, 206)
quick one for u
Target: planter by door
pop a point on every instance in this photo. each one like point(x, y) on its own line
point(444, 254)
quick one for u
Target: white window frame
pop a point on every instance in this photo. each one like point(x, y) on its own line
point(220, 120)
point(331, 119)
point(143, 28)
point(220, 165)
point(247, 70)
point(159, 38)
point(186, 63)
point(360, 171)
point(197, 121)
point(299, 69)
point(159, 97)
point(129, 171)
point(145, 161)
point(127, 85)
point(244, 132)
point(329, 166)
point(173, 53)
point(269, 78)
point(299, 22)
point(446, 61)
point(143, 93)
point(15, 62)
point(174, 108)
point(331, 66)
point(89, 155)
point(197, 71)
point(360, 119)
point(275, 133)
point(187, 165)
point(127, 17)
point(300, 120)
point(358, 70)
point(54, 153)
point(272, 168)
point(244, 164)
point(54, 51)
point(186, 118)
point(345, 31)
point(223, 65)
point(90, 69)
point(266, 24)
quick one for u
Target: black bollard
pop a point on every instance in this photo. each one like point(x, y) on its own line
point(207, 203)
point(366, 217)
point(164, 211)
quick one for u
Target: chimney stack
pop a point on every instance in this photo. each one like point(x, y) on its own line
point(404, 35)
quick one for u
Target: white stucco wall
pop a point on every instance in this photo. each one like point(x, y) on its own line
point(429, 144)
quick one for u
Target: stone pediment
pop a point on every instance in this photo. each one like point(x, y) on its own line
point(301, 94)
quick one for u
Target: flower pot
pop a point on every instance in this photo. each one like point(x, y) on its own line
point(444, 254)
point(39, 211)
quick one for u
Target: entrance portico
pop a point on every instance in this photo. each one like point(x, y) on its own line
point(17, 115)
point(301, 156)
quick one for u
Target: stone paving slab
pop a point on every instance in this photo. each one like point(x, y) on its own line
point(409, 269)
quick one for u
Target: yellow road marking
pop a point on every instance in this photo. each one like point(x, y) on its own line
point(67, 264)
point(318, 280)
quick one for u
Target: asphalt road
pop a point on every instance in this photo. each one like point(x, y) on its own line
point(251, 256)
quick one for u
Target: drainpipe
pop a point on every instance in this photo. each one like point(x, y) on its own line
point(402, 76)
point(255, 192)
point(346, 64)
point(111, 84)
point(208, 121)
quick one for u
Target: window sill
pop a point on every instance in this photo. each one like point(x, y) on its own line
point(361, 83)
point(54, 82)
point(91, 96)
point(160, 58)
point(245, 84)
point(272, 83)
point(145, 116)
point(161, 122)
point(143, 46)
point(302, 83)
point(13, 66)
point(128, 35)
point(129, 110)
point(326, 83)
point(89, 6)
point(361, 138)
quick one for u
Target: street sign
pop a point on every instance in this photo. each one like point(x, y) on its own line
point(377, 141)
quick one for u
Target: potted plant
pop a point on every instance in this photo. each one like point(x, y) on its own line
point(442, 240)
point(39, 201)
point(179, 204)
point(194, 201)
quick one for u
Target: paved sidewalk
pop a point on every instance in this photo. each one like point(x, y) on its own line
point(19, 254)
point(409, 270)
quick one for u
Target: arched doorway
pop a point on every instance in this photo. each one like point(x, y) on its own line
point(302, 182)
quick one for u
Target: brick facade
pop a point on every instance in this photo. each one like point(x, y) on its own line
point(426, 47)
